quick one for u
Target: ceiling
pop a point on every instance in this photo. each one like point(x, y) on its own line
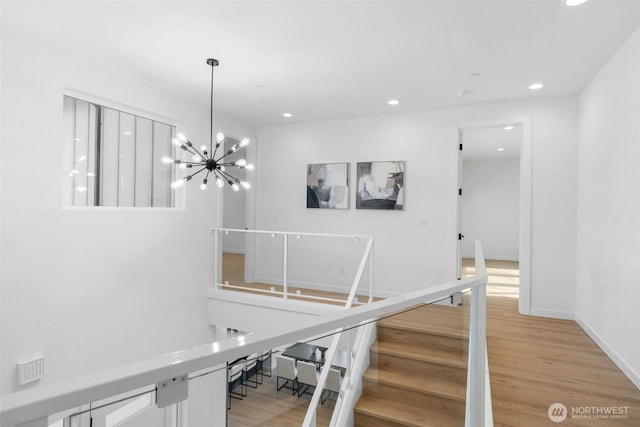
point(326, 60)
point(496, 142)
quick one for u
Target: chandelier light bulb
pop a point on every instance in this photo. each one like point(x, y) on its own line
point(204, 148)
point(245, 185)
point(241, 163)
point(176, 142)
point(182, 137)
point(219, 183)
point(178, 183)
point(250, 167)
point(167, 160)
point(196, 158)
point(235, 186)
point(219, 137)
point(575, 2)
point(245, 142)
point(203, 186)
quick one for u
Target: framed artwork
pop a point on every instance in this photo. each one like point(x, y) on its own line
point(380, 185)
point(328, 185)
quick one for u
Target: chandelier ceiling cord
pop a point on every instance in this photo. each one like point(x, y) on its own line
point(205, 158)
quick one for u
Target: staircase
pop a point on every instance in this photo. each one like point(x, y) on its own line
point(418, 371)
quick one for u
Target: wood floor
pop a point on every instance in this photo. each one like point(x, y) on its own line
point(534, 362)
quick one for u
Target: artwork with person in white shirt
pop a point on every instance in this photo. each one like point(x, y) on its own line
point(380, 185)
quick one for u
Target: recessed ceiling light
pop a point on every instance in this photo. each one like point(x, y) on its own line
point(287, 115)
point(127, 132)
point(464, 92)
point(574, 2)
point(509, 128)
point(393, 102)
point(500, 149)
point(536, 86)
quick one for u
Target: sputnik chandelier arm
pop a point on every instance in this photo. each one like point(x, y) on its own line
point(205, 158)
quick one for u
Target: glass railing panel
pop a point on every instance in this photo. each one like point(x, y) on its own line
point(323, 266)
point(207, 402)
point(135, 409)
point(319, 268)
point(266, 394)
point(418, 367)
point(264, 275)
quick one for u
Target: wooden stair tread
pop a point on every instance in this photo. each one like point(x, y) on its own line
point(428, 354)
point(404, 414)
point(442, 387)
point(452, 331)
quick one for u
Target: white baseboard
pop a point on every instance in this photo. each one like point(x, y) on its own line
point(613, 355)
point(553, 314)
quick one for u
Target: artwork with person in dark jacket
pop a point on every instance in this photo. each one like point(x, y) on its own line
point(328, 185)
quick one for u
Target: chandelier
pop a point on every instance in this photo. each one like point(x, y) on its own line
point(205, 159)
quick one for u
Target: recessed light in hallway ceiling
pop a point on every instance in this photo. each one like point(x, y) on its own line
point(536, 86)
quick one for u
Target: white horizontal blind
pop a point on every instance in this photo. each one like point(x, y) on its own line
point(113, 158)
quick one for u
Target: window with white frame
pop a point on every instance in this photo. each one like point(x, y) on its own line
point(113, 158)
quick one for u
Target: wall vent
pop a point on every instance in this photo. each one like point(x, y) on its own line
point(30, 370)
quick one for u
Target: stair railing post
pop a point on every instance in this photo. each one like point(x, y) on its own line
point(285, 252)
point(477, 346)
point(371, 274)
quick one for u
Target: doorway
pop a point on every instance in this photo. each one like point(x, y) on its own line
point(234, 205)
point(237, 211)
point(493, 203)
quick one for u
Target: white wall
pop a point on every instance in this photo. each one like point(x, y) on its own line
point(608, 250)
point(96, 288)
point(409, 256)
point(490, 207)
